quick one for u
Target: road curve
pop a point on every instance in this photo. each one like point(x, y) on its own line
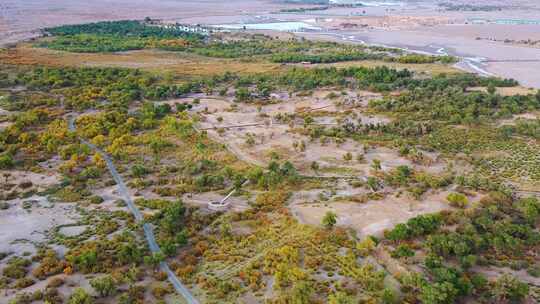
point(148, 230)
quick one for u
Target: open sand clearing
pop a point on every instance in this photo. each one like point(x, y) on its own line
point(370, 218)
point(525, 116)
point(234, 124)
point(22, 227)
point(41, 181)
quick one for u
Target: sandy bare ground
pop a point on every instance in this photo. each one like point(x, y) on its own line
point(516, 117)
point(41, 181)
point(509, 91)
point(370, 218)
point(5, 125)
point(21, 228)
point(233, 124)
point(493, 273)
point(27, 221)
point(4, 116)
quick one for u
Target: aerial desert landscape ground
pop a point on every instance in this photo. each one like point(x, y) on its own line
point(269, 151)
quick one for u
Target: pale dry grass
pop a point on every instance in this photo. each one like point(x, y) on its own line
point(179, 63)
point(510, 91)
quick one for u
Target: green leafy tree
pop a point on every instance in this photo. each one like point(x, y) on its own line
point(138, 170)
point(315, 166)
point(340, 298)
point(301, 293)
point(457, 200)
point(80, 296)
point(104, 285)
point(6, 161)
point(372, 183)
point(154, 259)
point(529, 208)
point(242, 95)
point(329, 220)
point(376, 165)
point(491, 89)
point(173, 216)
point(509, 289)
point(438, 293)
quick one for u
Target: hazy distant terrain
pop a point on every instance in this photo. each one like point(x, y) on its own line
point(414, 24)
point(19, 19)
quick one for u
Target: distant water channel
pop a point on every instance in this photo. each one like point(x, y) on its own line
point(292, 26)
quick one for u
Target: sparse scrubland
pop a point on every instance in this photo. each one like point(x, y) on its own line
point(354, 184)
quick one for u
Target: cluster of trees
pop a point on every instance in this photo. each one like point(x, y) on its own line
point(500, 231)
point(454, 105)
point(501, 227)
point(112, 36)
point(121, 28)
point(415, 227)
point(234, 49)
point(101, 255)
point(22, 101)
point(89, 43)
point(303, 9)
point(84, 88)
point(376, 79)
point(133, 35)
point(325, 57)
point(449, 6)
point(423, 59)
point(275, 176)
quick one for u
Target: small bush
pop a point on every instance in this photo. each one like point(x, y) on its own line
point(23, 283)
point(96, 199)
point(16, 268)
point(457, 200)
point(55, 282)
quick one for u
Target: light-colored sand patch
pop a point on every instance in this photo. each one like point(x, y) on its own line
point(71, 231)
point(524, 116)
point(373, 217)
point(5, 125)
point(507, 91)
point(110, 196)
point(42, 181)
point(493, 273)
point(32, 224)
point(4, 112)
point(235, 125)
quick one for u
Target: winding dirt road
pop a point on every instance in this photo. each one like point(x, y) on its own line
point(148, 230)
